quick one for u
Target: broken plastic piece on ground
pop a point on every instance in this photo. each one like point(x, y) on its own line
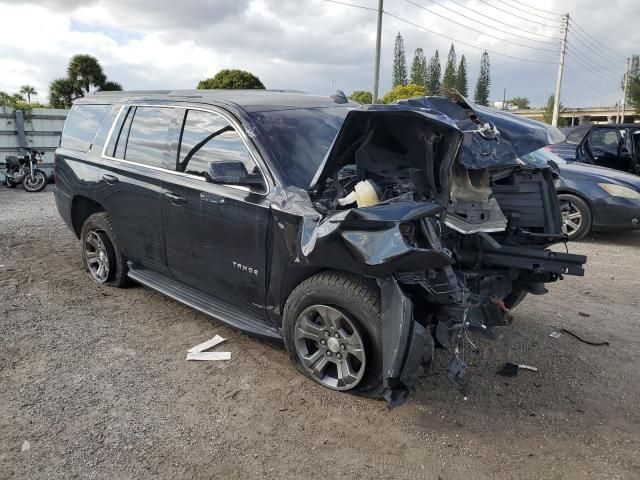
point(209, 356)
point(198, 352)
point(512, 369)
point(595, 344)
point(456, 372)
point(555, 334)
point(207, 345)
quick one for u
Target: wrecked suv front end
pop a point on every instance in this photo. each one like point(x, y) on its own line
point(428, 198)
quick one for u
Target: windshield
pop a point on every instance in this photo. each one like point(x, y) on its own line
point(299, 138)
point(540, 158)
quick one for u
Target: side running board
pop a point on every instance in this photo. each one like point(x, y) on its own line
point(205, 303)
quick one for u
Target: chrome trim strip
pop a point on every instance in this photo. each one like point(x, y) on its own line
point(213, 110)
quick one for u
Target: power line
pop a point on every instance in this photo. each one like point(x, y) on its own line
point(465, 43)
point(496, 20)
point(607, 77)
point(493, 26)
point(352, 5)
point(516, 15)
point(588, 39)
point(478, 31)
point(536, 8)
point(603, 60)
point(529, 12)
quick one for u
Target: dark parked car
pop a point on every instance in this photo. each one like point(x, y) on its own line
point(592, 198)
point(364, 237)
point(613, 146)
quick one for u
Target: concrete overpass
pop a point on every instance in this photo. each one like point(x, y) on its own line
point(577, 116)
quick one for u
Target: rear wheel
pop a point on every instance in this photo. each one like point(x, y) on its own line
point(331, 329)
point(100, 253)
point(576, 216)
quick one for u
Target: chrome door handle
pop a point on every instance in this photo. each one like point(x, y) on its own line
point(175, 199)
point(110, 179)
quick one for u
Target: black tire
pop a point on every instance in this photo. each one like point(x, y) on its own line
point(359, 300)
point(43, 180)
point(100, 225)
point(514, 299)
point(586, 218)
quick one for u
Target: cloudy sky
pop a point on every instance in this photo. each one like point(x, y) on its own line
point(318, 46)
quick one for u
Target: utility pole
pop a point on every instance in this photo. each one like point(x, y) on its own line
point(624, 95)
point(563, 51)
point(504, 99)
point(376, 78)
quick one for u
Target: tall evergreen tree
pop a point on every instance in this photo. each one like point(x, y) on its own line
point(449, 79)
point(434, 71)
point(462, 83)
point(419, 68)
point(483, 85)
point(399, 63)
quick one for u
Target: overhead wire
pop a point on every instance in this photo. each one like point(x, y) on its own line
point(516, 15)
point(508, 4)
point(479, 31)
point(346, 4)
point(584, 62)
point(496, 20)
point(536, 8)
point(494, 52)
point(493, 26)
point(589, 42)
point(599, 60)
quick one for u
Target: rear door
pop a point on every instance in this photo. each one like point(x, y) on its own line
point(215, 235)
point(606, 148)
point(140, 152)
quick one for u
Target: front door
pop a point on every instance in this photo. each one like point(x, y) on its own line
point(215, 235)
point(608, 148)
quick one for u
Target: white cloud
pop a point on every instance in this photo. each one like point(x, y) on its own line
point(304, 45)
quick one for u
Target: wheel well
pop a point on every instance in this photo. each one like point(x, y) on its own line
point(575, 194)
point(81, 209)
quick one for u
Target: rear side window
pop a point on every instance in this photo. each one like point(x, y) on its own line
point(576, 136)
point(207, 138)
point(81, 126)
point(147, 135)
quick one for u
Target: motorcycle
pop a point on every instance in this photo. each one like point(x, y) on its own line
point(22, 170)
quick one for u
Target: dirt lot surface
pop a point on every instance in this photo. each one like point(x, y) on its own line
point(95, 380)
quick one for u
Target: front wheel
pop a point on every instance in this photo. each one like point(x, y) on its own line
point(331, 328)
point(36, 182)
point(576, 216)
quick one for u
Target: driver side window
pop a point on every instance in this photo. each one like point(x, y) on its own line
point(606, 140)
point(208, 137)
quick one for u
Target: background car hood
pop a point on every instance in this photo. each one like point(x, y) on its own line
point(601, 174)
point(511, 137)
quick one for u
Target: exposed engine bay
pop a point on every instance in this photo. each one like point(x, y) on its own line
point(455, 230)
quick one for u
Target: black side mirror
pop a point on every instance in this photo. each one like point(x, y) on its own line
point(232, 173)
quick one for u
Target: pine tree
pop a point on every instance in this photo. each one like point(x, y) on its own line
point(399, 63)
point(449, 79)
point(433, 75)
point(419, 68)
point(481, 95)
point(462, 84)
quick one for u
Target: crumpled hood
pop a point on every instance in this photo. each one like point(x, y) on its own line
point(489, 137)
point(506, 137)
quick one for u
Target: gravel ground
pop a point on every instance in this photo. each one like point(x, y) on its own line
point(95, 380)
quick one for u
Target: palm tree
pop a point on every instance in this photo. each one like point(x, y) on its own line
point(28, 90)
point(111, 86)
point(4, 99)
point(86, 71)
point(62, 92)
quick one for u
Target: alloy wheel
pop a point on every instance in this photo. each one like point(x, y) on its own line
point(572, 219)
point(96, 256)
point(330, 347)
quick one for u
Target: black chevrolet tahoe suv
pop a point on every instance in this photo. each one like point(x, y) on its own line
point(364, 237)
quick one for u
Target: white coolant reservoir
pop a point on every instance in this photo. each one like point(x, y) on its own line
point(364, 195)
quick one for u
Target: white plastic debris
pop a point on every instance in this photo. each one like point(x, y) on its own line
point(209, 356)
point(555, 334)
point(198, 352)
point(207, 345)
point(26, 446)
